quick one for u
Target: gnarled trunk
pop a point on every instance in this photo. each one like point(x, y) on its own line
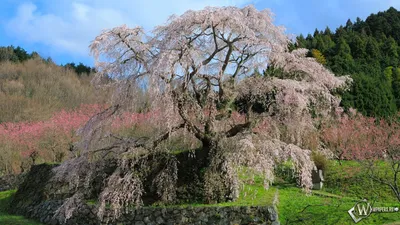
point(219, 183)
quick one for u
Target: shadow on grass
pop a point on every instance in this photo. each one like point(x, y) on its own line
point(7, 219)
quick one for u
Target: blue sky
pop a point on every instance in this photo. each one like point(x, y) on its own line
point(63, 29)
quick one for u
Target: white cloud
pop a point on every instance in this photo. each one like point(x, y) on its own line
point(69, 26)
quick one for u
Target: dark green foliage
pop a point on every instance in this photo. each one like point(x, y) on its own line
point(369, 52)
point(371, 96)
point(18, 54)
point(15, 54)
point(396, 85)
point(80, 68)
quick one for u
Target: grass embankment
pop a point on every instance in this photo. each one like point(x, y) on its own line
point(345, 185)
point(324, 208)
point(6, 218)
point(250, 195)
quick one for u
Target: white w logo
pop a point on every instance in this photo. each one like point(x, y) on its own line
point(364, 210)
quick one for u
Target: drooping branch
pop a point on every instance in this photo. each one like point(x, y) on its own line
point(92, 129)
point(123, 144)
point(128, 45)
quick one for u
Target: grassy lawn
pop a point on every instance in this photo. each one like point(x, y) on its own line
point(251, 195)
point(350, 178)
point(323, 208)
point(7, 219)
point(344, 185)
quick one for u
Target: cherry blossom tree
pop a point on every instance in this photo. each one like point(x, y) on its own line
point(391, 155)
point(194, 68)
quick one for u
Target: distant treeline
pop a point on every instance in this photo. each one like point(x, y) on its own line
point(18, 54)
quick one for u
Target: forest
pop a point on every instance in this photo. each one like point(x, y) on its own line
point(368, 51)
point(217, 107)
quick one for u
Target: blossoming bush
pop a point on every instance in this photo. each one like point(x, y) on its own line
point(374, 143)
point(24, 143)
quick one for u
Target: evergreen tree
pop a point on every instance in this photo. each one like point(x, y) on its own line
point(342, 62)
point(349, 25)
point(390, 50)
point(396, 85)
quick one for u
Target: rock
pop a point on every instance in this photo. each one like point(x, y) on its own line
point(146, 220)
point(273, 216)
point(159, 220)
point(203, 217)
point(317, 179)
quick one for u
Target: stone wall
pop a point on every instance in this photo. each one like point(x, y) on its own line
point(201, 215)
point(56, 203)
point(166, 216)
point(9, 182)
point(48, 213)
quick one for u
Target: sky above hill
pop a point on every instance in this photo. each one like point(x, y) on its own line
point(63, 29)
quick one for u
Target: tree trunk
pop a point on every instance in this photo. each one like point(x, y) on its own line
point(218, 184)
point(209, 147)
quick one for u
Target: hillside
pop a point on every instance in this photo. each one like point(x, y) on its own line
point(32, 88)
point(368, 51)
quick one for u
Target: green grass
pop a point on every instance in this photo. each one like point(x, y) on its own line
point(251, 195)
point(255, 195)
point(351, 178)
point(324, 208)
point(7, 219)
point(344, 185)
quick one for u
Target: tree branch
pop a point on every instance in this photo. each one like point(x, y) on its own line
point(167, 134)
point(237, 129)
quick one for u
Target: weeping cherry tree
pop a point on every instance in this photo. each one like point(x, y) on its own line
point(194, 68)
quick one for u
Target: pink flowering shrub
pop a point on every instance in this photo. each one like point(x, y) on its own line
point(375, 144)
point(26, 143)
point(135, 124)
point(358, 137)
point(47, 140)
